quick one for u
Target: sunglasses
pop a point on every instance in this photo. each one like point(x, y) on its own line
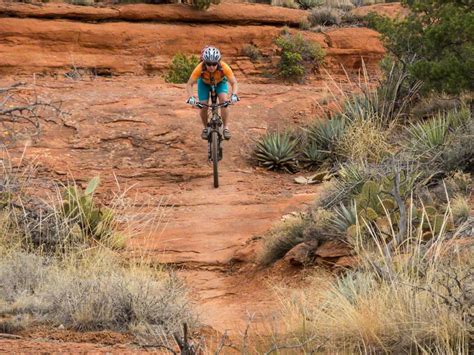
point(211, 64)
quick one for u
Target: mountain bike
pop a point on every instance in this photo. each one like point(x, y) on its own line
point(215, 133)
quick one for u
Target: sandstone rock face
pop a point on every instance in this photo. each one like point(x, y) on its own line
point(333, 249)
point(226, 13)
point(30, 44)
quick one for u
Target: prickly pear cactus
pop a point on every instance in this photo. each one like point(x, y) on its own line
point(79, 207)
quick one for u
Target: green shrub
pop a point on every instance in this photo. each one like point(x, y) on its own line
point(427, 136)
point(435, 42)
point(298, 56)
point(181, 68)
point(277, 151)
point(324, 16)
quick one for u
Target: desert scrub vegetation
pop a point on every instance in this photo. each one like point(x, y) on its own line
point(252, 51)
point(298, 56)
point(181, 68)
point(418, 299)
point(60, 265)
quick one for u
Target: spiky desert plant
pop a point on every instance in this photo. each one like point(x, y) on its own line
point(277, 151)
point(427, 138)
point(81, 208)
point(325, 133)
point(344, 217)
point(312, 157)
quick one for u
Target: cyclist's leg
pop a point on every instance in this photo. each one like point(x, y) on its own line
point(222, 90)
point(203, 95)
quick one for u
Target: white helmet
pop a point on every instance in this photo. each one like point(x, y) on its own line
point(211, 55)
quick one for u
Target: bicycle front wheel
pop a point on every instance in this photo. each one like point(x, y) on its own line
point(215, 156)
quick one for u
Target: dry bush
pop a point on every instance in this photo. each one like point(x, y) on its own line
point(281, 238)
point(417, 300)
point(325, 16)
point(344, 5)
point(460, 208)
point(292, 4)
point(364, 140)
point(252, 51)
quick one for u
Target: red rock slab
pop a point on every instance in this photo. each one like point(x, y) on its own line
point(224, 13)
point(333, 249)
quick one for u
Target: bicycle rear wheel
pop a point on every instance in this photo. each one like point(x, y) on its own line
point(215, 156)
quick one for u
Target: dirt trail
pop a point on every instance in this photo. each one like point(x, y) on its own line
point(139, 131)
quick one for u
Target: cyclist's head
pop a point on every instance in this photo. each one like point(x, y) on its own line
point(211, 55)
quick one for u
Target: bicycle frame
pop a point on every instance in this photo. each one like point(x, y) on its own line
point(215, 132)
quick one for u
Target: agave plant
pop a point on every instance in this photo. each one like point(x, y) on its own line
point(325, 133)
point(344, 217)
point(312, 156)
point(277, 151)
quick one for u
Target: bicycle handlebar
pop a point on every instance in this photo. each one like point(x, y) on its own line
point(202, 105)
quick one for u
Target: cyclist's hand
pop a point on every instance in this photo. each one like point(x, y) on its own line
point(234, 98)
point(192, 101)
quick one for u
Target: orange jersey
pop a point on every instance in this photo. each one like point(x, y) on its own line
point(207, 76)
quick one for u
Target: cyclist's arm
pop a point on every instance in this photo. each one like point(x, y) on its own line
point(230, 78)
point(193, 79)
point(233, 83)
point(189, 86)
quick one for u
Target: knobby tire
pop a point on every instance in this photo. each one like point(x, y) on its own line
point(215, 156)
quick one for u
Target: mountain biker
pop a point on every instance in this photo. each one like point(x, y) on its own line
point(212, 71)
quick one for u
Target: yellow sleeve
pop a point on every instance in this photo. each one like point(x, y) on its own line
point(196, 74)
point(227, 71)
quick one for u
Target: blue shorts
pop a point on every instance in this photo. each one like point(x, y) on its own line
point(204, 89)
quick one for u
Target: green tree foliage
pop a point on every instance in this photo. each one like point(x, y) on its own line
point(435, 41)
point(298, 56)
point(181, 68)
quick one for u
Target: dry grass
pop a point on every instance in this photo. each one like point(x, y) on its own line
point(418, 300)
point(82, 283)
point(364, 140)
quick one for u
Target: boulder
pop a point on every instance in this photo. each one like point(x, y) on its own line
point(302, 254)
point(333, 249)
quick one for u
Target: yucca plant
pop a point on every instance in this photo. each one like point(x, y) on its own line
point(427, 137)
point(458, 118)
point(277, 151)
